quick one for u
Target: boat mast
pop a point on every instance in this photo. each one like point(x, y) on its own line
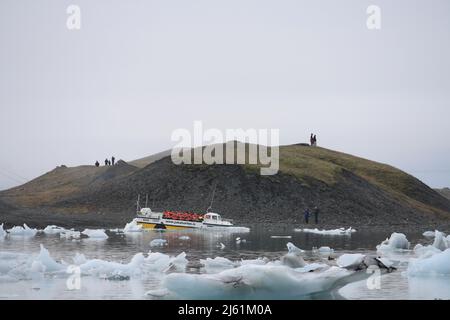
point(212, 198)
point(146, 200)
point(137, 203)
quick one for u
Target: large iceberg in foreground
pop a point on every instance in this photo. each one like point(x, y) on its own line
point(252, 282)
point(436, 265)
point(333, 232)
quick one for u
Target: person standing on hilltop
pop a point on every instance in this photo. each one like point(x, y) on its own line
point(97, 164)
point(316, 214)
point(306, 215)
point(315, 140)
point(311, 139)
point(106, 162)
point(113, 160)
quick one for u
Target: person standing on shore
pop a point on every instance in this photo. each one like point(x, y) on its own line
point(315, 140)
point(113, 160)
point(97, 164)
point(311, 139)
point(106, 162)
point(306, 215)
point(316, 214)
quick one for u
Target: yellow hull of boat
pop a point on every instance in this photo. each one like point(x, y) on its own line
point(168, 227)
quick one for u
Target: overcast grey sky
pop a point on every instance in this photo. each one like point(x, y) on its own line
point(137, 70)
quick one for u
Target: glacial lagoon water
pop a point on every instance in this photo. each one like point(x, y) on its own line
point(260, 242)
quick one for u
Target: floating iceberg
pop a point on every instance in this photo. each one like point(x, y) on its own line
point(184, 238)
point(397, 241)
point(22, 231)
point(281, 237)
point(132, 226)
point(252, 282)
point(52, 229)
point(436, 265)
point(18, 266)
point(158, 243)
point(95, 233)
point(217, 264)
point(334, 232)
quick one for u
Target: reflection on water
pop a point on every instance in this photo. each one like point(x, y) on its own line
point(201, 244)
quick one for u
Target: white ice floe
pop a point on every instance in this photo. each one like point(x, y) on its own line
point(22, 231)
point(334, 232)
point(95, 233)
point(158, 243)
point(221, 246)
point(397, 241)
point(252, 282)
point(132, 226)
point(184, 238)
point(70, 234)
point(52, 229)
point(435, 265)
point(350, 260)
point(2, 232)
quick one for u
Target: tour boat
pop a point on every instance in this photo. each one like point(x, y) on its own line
point(179, 220)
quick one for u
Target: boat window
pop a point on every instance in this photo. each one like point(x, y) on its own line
point(214, 217)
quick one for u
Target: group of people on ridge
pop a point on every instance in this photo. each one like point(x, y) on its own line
point(313, 140)
point(107, 162)
point(307, 214)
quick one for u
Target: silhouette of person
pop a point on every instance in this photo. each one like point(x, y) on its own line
point(97, 164)
point(113, 160)
point(306, 215)
point(316, 214)
point(315, 140)
point(311, 140)
point(106, 162)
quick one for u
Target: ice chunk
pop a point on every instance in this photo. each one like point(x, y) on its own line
point(79, 259)
point(428, 234)
point(184, 238)
point(52, 229)
point(334, 232)
point(158, 243)
point(2, 232)
point(95, 233)
point(132, 226)
point(252, 282)
point(217, 264)
point(22, 231)
point(281, 237)
point(47, 262)
point(293, 249)
point(440, 242)
point(350, 260)
point(397, 241)
point(436, 265)
point(325, 250)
